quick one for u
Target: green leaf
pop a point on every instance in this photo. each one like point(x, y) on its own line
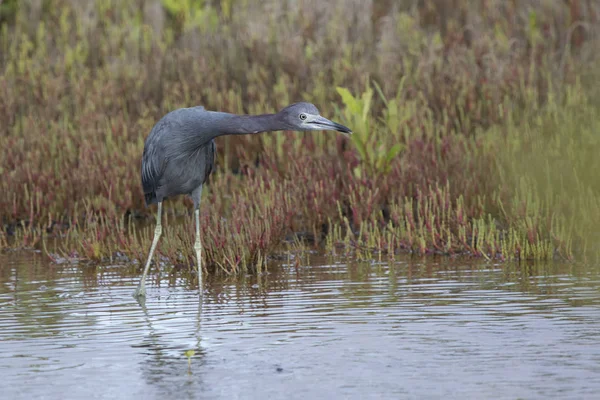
point(393, 152)
point(380, 93)
point(189, 353)
point(360, 146)
point(367, 96)
point(349, 101)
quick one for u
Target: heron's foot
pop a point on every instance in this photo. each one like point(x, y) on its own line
point(140, 292)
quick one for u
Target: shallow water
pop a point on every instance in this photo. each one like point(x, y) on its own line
point(359, 331)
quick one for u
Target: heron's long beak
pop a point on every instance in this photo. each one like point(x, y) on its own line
point(325, 124)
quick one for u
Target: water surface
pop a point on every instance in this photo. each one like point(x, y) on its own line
point(410, 329)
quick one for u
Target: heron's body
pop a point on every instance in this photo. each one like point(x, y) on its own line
point(179, 153)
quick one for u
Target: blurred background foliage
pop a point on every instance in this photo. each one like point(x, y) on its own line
point(475, 124)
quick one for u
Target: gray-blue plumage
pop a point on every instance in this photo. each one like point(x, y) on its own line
point(179, 155)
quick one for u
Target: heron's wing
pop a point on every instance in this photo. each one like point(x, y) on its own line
point(151, 168)
point(154, 160)
point(210, 160)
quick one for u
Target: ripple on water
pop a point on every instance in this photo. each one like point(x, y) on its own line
point(326, 332)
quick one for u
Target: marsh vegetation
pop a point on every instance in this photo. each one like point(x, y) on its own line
point(476, 127)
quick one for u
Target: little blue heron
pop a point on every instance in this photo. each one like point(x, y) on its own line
point(179, 155)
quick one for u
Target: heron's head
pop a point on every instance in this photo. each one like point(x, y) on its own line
point(306, 117)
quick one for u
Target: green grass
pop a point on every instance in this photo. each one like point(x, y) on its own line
point(475, 128)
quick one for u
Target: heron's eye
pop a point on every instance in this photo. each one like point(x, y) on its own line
point(302, 117)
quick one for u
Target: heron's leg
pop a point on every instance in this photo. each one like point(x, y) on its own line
point(198, 248)
point(197, 196)
point(141, 289)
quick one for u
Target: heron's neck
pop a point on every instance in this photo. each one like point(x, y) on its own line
point(249, 124)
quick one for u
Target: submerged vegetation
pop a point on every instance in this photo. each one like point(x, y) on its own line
point(476, 127)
